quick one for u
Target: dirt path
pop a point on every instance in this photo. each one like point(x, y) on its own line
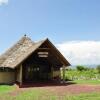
point(61, 90)
point(73, 89)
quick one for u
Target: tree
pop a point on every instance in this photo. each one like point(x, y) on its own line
point(98, 68)
point(81, 68)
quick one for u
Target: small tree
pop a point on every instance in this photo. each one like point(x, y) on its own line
point(98, 69)
point(80, 68)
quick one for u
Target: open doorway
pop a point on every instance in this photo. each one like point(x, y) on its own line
point(36, 73)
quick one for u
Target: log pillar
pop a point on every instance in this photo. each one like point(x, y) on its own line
point(63, 72)
point(21, 75)
point(52, 72)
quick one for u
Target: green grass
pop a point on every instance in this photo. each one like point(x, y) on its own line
point(32, 96)
point(88, 96)
point(88, 82)
point(6, 88)
point(38, 94)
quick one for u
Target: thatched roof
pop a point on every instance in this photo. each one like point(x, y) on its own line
point(19, 52)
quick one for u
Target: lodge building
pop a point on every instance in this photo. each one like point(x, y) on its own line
point(30, 62)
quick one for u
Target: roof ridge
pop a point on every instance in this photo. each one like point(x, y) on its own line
point(14, 47)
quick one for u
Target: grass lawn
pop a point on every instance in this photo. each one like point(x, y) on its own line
point(88, 96)
point(6, 89)
point(89, 82)
point(36, 94)
point(13, 93)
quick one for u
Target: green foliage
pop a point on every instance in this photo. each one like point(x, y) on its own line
point(81, 68)
point(98, 69)
point(69, 69)
point(84, 74)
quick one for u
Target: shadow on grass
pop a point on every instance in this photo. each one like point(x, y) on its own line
point(6, 84)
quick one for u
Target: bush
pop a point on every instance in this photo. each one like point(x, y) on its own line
point(82, 75)
point(81, 68)
point(69, 69)
point(98, 69)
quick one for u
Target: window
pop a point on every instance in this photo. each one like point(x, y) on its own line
point(36, 69)
point(43, 54)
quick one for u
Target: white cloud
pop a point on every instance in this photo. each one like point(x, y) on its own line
point(3, 2)
point(81, 52)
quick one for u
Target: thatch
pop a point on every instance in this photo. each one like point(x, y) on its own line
point(19, 52)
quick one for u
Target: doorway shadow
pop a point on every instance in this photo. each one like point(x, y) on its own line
point(46, 84)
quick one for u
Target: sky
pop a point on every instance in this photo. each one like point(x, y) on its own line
point(72, 25)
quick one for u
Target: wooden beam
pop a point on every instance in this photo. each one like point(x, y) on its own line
point(43, 56)
point(43, 48)
point(43, 53)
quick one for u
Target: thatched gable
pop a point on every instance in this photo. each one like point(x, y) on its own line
point(21, 50)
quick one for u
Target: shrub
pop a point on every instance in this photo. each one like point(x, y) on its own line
point(69, 69)
point(81, 68)
point(98, 69)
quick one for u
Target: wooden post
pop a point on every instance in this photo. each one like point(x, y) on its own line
point(21, 75)
point(63, 70)
point(52, 72)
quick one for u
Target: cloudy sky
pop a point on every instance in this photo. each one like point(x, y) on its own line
point(3, 2)
point(81, 52)
point(72, 25)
